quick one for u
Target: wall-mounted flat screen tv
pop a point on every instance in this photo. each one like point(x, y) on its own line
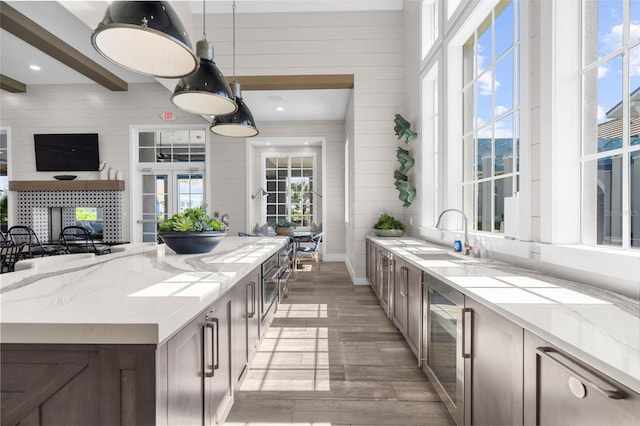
point(71, 152)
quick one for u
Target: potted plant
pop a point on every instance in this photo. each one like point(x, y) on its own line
point(284, 227)
point(192, 231)
point(388, 226)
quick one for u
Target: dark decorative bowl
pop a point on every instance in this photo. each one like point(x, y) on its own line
point(65, 177)
point(195, 242)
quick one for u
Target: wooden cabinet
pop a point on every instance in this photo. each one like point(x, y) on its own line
point(400, 291)
point(217, 371)
point(246, 323)
point(185, 388)
point(52, 384)
point(407, 304)
point(199, 368)
point(493, 371)
point(253, 312)
point(561, 390)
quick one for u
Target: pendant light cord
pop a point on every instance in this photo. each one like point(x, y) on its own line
point(234, 40)
point(204, 31)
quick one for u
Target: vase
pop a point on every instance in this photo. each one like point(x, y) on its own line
point(389, 232)
point(193, 242)
point(284, 230)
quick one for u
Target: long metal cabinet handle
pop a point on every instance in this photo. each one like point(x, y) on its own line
point(544, 351)
point(467, 318)
point(404, 275)
point(216, 365)
point(205, 361)
point(253, 300)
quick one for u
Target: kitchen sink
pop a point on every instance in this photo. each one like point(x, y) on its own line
point(448, 257)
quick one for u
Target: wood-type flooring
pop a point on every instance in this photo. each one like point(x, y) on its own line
point(332, 357)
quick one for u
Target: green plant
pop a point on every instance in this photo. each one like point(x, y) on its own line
point(283, 224)
point(388, 222)
point(192, 219)
point(3, 207)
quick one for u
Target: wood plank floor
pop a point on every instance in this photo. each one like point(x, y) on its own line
point(332, 357)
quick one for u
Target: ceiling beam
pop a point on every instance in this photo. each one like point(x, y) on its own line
point(11, 85)
point(295, 82)
point(24, 28)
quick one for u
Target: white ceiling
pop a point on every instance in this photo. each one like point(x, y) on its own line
point(73, 22)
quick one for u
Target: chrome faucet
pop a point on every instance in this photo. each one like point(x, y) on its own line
point(465, 247)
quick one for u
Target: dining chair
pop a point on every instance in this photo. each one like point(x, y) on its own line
point(20, 234)
point(309, 252)
point(9, 255)
point(76, 239)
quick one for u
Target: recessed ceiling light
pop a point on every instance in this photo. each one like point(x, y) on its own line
point(279, 108)
point(34, 67)
point(306, 143)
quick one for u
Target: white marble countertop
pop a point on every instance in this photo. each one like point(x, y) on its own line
point(140, 294)
point(596, 326)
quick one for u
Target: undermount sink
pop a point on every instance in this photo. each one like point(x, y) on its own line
point(438, 256)
point(445, 256)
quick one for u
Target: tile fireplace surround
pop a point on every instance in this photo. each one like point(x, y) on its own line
point(34, 207)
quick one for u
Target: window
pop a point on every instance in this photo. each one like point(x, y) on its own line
point(430, 144)
point(611, 123)
point(171, 146)
point(491, 117)
point(290, 188)
point(429, 25)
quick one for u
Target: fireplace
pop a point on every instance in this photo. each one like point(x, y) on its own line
point(90, 218)
point(47, 212)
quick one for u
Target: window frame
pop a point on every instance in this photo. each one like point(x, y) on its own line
point(590, 158)
point(314, 201)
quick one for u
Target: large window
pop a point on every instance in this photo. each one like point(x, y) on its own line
point(611, 123)
point(491, 117)
point(4, 181)
point(290, 188)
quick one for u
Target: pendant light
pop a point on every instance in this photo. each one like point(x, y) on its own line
point(206, 91)
point(240, 124)
point(146, 37)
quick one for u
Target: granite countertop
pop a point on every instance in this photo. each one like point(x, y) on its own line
point(140, 294)
point(597, 326)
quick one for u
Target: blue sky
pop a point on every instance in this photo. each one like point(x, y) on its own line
point(610, 19)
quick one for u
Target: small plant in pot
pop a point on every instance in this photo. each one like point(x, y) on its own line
point(388, 226)
point(192, 231)
point(284, 227)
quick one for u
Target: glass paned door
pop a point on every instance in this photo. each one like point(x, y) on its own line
point(165, 193)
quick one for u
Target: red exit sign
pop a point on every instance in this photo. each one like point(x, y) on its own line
point(168, 116)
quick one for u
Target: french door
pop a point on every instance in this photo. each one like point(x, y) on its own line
point(170, 175)
point(165, 193)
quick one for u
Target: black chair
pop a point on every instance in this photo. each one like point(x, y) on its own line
point(76, 239)
point(9, 255)
point(20, 234)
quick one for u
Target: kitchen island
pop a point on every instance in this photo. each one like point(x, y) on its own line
point(140, 336)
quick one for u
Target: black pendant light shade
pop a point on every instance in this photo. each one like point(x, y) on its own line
point(146, 37)
point(240, 124)
point(206, 91)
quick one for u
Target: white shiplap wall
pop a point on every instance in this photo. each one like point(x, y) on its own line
point(369, 45)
